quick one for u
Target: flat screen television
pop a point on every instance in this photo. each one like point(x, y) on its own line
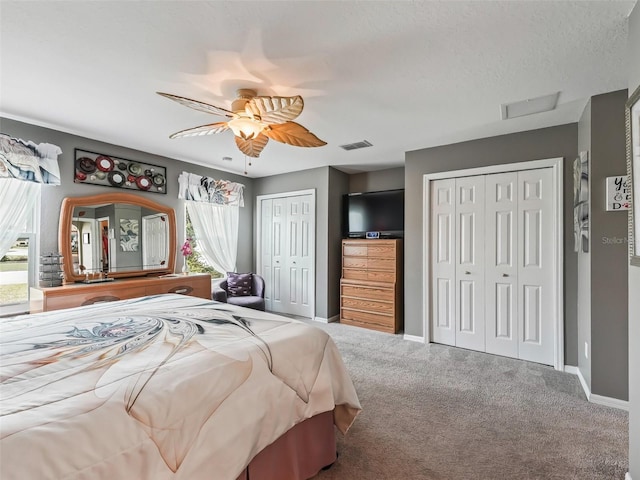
point(381, 212)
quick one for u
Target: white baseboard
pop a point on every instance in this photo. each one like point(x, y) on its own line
point(335, 318)
point(413, 338)
point(571, 369)
point(593, 398)
point(627, 476)
point(609, 402)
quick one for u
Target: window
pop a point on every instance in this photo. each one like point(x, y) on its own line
point(196, 262)
point(19, 265)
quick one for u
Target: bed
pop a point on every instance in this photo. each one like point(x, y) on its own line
point(168, 387)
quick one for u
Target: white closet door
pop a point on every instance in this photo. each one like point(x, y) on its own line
point(298, 259)
point(443, 254)
point(536, 259)
point(279, 282)
point(501, 271)
point(470, 231)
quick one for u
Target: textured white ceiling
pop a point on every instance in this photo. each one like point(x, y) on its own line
point(403, 75)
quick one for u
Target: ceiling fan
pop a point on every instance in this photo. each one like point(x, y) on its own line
point(253, 120)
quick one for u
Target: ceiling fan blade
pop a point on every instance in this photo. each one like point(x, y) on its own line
point(202, 130)
point(275, 109)
point(294, 134)
point(196, 105)
point(253, 146)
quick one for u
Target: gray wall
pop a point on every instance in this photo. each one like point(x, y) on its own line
point(388, 179)
point(338, 186)
point(634, 280)
point(52, 196)
point(584, 266)
point(609, 259)
point(560, 141)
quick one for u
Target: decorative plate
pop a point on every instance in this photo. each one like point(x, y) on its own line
point(158, 179)
point(104, 163)
point(122, 165)
point(144, 183)
point(135, 169)
point(116, 178)
point(81, 176)
point(86, 165)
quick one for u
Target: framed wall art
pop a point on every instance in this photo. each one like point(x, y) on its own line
point(109, 171)
point(632, 113)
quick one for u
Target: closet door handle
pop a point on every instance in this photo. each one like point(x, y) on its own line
point(467, 273)
point(505, 274)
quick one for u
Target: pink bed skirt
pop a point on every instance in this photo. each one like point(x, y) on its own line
point(299, 454)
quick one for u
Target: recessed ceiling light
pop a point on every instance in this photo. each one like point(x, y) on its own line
point(530, 106)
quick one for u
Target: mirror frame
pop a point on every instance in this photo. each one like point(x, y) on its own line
point(632, 125)
point(64, 231)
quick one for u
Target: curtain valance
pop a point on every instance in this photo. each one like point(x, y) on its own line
point(27, 161)
point(206, 189)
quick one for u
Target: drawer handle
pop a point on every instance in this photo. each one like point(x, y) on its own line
point(182, 290)
point(101, 299)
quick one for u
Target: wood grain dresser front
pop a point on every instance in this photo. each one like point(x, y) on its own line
point(79, 294)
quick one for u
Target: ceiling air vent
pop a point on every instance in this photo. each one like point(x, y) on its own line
point(529, 106)
point(356, 145)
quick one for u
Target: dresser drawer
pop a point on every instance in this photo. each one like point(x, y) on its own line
point(368, 305)
point(368, 292)
point(181, 288)
point(355, 274)
point(355, 250)
point(381, 263)
point(355, 262)
point(387, 251)
point(376, 321)
point(380, 276)
point(90, 297)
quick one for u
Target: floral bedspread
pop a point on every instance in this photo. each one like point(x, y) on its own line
point(162, 387)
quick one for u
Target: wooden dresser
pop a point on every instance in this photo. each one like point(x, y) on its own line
point(371, 284)
point(78, 294)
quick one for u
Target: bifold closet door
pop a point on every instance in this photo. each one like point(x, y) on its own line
point(286, 254)
point(536, 264)
point(470, 243)
point(443, 264)
point(501, 273)
point(492, 264)
point(457, 252)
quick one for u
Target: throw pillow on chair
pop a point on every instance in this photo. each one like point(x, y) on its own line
point(239, 284)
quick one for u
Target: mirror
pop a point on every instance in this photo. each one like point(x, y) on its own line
point(116, 235)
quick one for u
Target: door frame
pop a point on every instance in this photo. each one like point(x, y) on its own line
point(556, 164)
point(312, 232)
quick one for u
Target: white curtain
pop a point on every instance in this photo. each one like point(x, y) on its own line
point(17, 201)
point(216, 231)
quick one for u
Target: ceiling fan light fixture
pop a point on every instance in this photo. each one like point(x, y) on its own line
point(245, 127)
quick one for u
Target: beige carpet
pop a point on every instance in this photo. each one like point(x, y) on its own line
point(436, 412)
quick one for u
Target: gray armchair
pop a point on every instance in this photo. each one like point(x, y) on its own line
point(255, 300)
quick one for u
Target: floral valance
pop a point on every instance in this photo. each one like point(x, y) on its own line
point(27, 161)
point(206, 189)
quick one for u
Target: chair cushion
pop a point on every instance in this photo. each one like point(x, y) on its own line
point(239, 284)
point(249, 301)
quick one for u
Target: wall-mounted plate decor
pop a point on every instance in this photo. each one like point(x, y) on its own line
point(110, 171)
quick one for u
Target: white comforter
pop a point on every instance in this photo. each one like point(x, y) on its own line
point(163, 387)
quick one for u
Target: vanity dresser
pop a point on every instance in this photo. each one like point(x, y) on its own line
point(79, 294)
point(116, 246)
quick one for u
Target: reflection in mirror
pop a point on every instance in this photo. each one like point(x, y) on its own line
point(116, 235)
point(123, 245)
